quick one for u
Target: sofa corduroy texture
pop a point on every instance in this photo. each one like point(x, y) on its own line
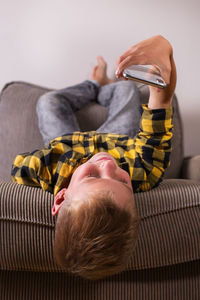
point(165, 264)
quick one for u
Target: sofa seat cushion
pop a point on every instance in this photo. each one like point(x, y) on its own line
point(169, 231)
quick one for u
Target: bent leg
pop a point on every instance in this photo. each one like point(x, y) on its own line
point(56, 109)
point(122, 99)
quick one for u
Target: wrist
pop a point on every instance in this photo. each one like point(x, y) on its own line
point(159, 98)
point(162, 98)
point(153, 104)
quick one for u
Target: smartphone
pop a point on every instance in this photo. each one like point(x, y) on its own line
point(144, 74)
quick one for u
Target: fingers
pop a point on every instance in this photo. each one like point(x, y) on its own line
point(131, 59)
point(155, 51)
point(163, 65)
point(122, 65)
point(135, 55)
point(124, 56)
point(124, 61)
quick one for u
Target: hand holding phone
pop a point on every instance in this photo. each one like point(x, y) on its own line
point(158, 53)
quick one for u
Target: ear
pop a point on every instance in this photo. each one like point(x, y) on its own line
point(58, 201)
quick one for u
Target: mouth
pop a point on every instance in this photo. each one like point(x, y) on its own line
point(104, 158)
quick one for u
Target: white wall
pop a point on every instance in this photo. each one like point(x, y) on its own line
point(54, 43)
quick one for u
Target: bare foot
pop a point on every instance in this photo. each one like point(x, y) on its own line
point(99, 72)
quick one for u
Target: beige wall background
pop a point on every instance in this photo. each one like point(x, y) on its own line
point(54, 43)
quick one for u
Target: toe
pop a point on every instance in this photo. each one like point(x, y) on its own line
point(93, 72)
point(101, 61)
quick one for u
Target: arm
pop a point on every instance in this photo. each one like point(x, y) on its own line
point(153, 142)
point(49, 168)
point(152, 147)
point(33, 169)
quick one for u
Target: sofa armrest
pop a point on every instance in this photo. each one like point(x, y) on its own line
point(191, 168)
point(168, 232)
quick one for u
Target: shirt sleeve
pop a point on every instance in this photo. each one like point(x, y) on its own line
point(152, 148)
point(34, 169)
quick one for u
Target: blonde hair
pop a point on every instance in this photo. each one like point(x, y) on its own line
point(95, 238)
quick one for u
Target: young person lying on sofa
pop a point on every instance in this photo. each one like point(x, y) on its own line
point(94, 175)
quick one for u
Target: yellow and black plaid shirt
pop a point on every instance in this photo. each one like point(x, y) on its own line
point(144, 157)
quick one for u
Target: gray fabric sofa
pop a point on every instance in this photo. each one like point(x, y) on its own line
point(166, 262)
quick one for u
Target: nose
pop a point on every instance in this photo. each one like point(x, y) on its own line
point(108, 168)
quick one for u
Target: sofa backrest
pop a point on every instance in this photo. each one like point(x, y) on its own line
point(19, 130)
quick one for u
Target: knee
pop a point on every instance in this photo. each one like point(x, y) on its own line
point(127, 89)
point(46, 101)
point(126, 84)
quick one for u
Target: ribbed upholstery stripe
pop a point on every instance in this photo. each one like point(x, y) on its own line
point(170, 227)
point(174, 283)
point(169, 231)
point(27, 228)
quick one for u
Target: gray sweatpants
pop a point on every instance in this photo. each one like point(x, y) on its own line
point(56, 109)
